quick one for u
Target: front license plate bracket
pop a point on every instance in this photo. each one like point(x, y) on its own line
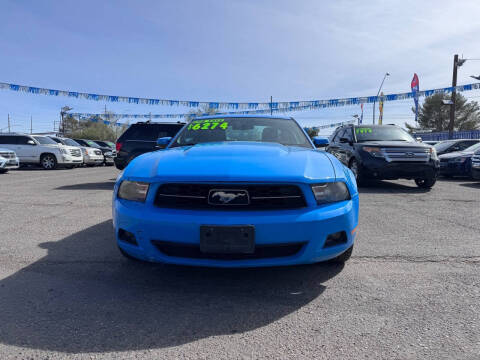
point(238, 239)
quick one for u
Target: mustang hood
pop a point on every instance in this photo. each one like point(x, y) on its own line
point(234, 161)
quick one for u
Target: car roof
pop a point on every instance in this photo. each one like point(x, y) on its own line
point(239, 116)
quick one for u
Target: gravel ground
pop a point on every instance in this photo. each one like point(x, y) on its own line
point(410, 291)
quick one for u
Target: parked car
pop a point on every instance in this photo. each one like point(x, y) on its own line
point(384, 152)
point(101, 159)
point(8, 160)
point(476, 165)
point(109, 144)
point(448, 146)
point(140, 138)
point(108, 151)
point(458, 163)
point(40, 150)
point(236, 191)
point(90, 155)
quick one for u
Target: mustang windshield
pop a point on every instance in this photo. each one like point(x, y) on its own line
point(381, 133)
point(282, 131)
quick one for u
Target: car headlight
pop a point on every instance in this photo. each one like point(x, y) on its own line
point(374, 151)
point(330, 192)
point(433, 153)
point(63, 151)
point(108, 153)
point(133, 190)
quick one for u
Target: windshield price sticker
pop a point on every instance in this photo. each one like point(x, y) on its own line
point(364, 131)
point(208, 124)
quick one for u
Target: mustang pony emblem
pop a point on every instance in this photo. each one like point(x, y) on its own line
point(227, 196)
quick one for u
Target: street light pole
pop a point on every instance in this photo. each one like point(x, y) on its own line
point(379, 89)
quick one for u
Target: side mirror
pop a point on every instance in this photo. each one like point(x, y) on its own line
point(319, 141)
point(31, 142)
point(419, 139)
point(163, 141)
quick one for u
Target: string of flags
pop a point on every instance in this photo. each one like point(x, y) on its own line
point(285, 105)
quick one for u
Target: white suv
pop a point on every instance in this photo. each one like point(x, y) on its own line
point(41, 150)
point(8, 160)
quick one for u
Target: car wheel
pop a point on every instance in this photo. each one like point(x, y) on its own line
point(48, 161)
point(70, 166)
point(3, 171)
point(425, 183)
point(355, 167)
point(342, 258)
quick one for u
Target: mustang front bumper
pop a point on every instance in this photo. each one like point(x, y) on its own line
point(310, 227)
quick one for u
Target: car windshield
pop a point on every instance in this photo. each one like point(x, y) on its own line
point(444, 145)
point(45, 140)
point(282, 131)
point(92, 144)
point(71, 142)
point(472, 148)
point(382, 133)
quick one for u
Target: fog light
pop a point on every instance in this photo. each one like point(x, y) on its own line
point(336, 239)
point(127, 236)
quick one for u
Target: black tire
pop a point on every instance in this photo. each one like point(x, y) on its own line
point(344, 257)
point(425, 183)
point(3, 171)
point(48, 162)
point(69, 166)
point(128, 256)
point(355, 167)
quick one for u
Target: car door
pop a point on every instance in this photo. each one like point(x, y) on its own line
point(346, 146)
point(333, 148)
point(26, 149)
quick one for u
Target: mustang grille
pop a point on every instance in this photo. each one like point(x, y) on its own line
point(261, 196)
point(192, 251)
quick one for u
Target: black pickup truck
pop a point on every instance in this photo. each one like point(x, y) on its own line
point(384, 152)
point(140, 138)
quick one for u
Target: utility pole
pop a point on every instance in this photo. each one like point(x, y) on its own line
point(378, 93)
point(451, 124)
point(31, 125)
point(8, 116)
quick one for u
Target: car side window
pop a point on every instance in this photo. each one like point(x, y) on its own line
point(22, 140)
point(338, 135)
point(348, 134)
point(8, 140)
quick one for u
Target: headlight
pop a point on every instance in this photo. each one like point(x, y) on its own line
point(433, 153)
point(63, 151)
point(330, 192)
point(374, 151)
point(133, 190)
point(108, 153)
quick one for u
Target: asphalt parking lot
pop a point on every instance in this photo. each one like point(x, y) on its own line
point(411, 289)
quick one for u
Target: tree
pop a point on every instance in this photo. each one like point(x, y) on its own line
point(312, 132)
point(93, 130)
point(433, 114)
point(201, 111)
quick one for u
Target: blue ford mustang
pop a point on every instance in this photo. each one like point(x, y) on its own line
point(236, 191)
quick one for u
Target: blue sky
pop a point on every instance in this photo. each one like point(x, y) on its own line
point(229, 51)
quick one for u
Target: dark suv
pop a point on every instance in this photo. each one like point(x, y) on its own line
point(140, 138)
point(384, 152)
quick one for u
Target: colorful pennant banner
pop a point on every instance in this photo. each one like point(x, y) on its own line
point(286, 105)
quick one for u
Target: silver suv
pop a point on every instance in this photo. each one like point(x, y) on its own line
point(41, 150)
point(8, 160)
